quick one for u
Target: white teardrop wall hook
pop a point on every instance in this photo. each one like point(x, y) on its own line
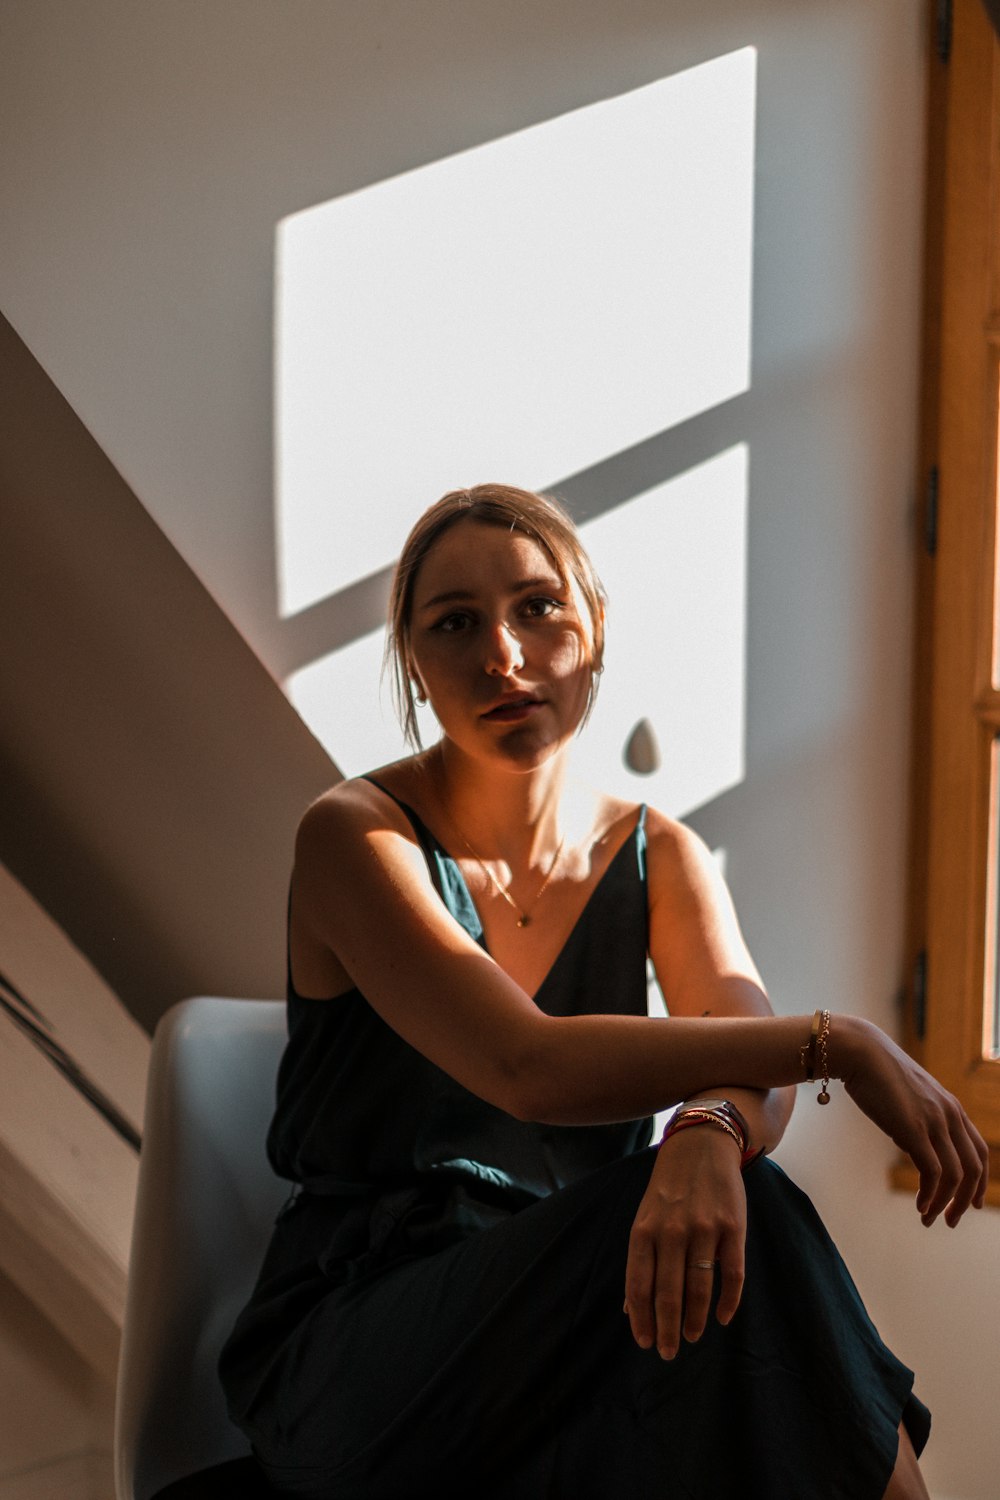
point(642, 753)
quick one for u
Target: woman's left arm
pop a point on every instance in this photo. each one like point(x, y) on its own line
point(701, 961)
point(694, 1211)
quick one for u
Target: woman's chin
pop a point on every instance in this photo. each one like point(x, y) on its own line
point(526, 748)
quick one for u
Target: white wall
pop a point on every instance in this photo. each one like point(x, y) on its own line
point(151, 154)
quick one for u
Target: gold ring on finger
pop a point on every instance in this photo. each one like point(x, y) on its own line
point(701, 1265)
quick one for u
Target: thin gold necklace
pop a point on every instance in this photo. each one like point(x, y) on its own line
point(523, 913)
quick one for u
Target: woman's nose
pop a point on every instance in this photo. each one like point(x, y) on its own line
point(504, 652)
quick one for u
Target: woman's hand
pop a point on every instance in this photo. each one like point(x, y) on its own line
point(913, 1109)
point(694, 1210)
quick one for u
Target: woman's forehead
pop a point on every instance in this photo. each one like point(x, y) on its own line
point(478, 554)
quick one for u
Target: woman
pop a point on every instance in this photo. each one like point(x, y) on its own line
point(484, 1283)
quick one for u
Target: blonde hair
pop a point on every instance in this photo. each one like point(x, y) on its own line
point(539, 517)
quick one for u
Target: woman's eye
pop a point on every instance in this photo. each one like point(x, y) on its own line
point(451, 624)
point(539, 608)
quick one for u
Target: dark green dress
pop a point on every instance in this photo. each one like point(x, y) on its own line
point(440, 1309)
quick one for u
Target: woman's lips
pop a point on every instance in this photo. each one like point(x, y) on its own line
point(517, 708)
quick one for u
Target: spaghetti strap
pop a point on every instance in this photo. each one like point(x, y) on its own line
point(424, 835)
point(445, 873)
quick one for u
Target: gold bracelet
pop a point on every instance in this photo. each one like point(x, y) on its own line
point(823, 1097)
point(815, 1052)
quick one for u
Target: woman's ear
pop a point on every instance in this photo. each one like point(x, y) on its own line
point(418, 690)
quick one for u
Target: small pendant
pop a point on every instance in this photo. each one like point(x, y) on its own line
point(523, 921)
point(823, 1097)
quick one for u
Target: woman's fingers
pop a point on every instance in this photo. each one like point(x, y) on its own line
point(667, 1282)
point(690, 1230)
point(640, 1276)
point(983, 1153)
point(686, 1284)
point(974, 1156)
point(669, 1298)
point(953, 1161)
point(923, 1118)
point(732, 1271)
point(670, 1283)
point(699, 1284)
point(940, 1174)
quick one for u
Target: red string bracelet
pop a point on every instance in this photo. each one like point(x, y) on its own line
point(722, 1114)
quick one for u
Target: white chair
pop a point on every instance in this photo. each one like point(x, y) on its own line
point(207, 1200)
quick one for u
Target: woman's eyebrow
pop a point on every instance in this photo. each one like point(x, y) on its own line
point(451, 596)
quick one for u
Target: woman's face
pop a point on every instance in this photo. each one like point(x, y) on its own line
point(499, 645)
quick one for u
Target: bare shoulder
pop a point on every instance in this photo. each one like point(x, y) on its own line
point(345, 817)
point(695, 936)
point(356, 854)
point(678, 851)
point(347, 805)
point(685, 880)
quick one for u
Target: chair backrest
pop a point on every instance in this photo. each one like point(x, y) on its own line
point(206, 1202)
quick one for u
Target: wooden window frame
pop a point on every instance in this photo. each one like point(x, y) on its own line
point(952, 921)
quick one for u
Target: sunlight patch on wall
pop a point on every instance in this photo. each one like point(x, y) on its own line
point(520, 311)
point(673, 561)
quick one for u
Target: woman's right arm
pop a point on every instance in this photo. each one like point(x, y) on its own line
point(362, 889)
